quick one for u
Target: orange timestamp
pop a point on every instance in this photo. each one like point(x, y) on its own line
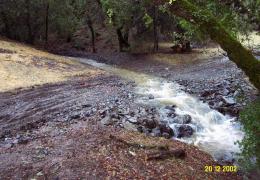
point(220, 169)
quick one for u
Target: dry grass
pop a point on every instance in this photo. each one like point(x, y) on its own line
point(23, 66)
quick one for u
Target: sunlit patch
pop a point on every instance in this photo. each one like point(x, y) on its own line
point(22, 66)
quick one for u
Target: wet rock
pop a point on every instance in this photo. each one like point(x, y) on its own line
point(166, 136)
point(149, 123)
point(211, 103)
point(171, 108)
point(151, 96)
point(185, 119)
point(233, 111)
point(166, 130)
point(185, 131)
point(171, 114)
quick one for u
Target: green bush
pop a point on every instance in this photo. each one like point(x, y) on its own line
point(250, 155)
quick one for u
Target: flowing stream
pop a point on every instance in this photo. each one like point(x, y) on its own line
point(213, 132)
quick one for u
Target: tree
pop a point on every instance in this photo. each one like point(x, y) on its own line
point(121, 15)
point(207, 23)
point(47, 22)
point(155, 27)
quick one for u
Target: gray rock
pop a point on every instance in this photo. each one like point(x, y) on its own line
point(183, 119)
point(229, 100)
point(149, 123)
point(151, 96)
point(75, 116)
point(132, 120)
point(156, 132)
point(86, 105)
point(129, 126)
point(164, 128)
point(166, 136)
point(225, 92)
point(7, 146)
point(171, 108)
point(107, 121)
point(185, 131)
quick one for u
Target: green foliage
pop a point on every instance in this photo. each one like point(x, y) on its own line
point(148, 20)
point(120, 12)
point(66, 16)
point(250, 145)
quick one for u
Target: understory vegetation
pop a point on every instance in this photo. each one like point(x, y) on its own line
point(250, 117)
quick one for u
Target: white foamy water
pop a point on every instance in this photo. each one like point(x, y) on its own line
point(213, 132)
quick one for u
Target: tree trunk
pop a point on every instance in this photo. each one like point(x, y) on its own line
point(47, 23)
point(122, 39)
point(155, 28)
point(30, 38)
point(90, 25)
point(207, 23)
point(7, 30)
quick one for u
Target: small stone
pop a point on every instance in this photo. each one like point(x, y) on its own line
point(132, 120)
point(106, 121)
point(225, 92)
point(229, 101)
point(39, 174)
point(151, 96)
point(16, 141)
point(76, 116)
point(9, 145)
point(156, 132)
point(86, 105)
point(129, 126)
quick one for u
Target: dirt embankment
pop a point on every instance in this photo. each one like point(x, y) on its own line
point(50, 128)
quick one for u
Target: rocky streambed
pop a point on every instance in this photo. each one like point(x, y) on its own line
point(199, 113)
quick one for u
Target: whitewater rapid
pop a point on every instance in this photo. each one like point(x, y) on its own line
point(214, 132)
